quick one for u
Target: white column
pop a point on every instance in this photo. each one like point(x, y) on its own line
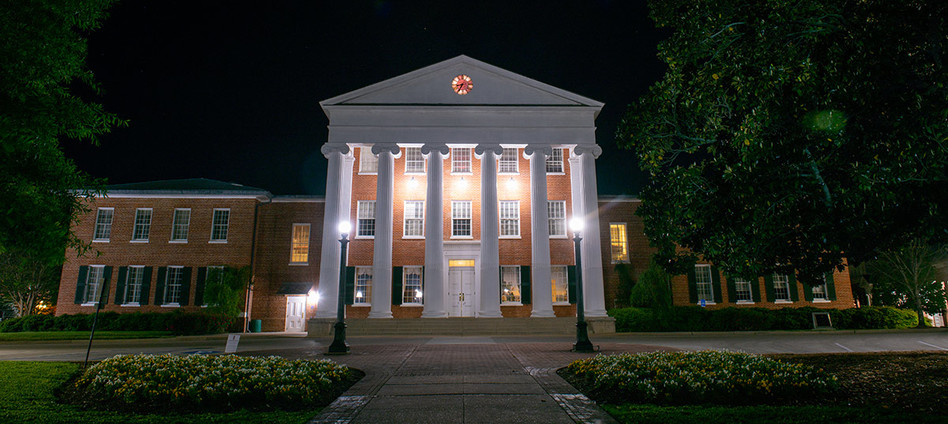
point(490, 233)
point(382, 259)
point(586, 203)
point(328, 288)
point(540, 232)
point(434, 232)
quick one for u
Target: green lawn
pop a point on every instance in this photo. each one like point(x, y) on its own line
point(27, 396)
point(711, 414)
point(32, 336)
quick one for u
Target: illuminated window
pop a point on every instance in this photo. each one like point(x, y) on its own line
point(781, 288)
point(461, 160)
point(368, 162)
point(142, 225)
point(173, 282)
point(414, 161)
point(94, 283)
point(620, 242)
point(133, 285)
point(554, 163)
point(510, 218)
point(411, 287)
point(556, 210)
point(365, 226)
point(414, 225)
point(180, 224)
point(460, 218)
point(560, 282)
point(219, 225)
point(704, 283)
point(103, 224)
point(507, 163)
point(743, 290)
point(299, 246)
point(510, 284)
point(363, 285)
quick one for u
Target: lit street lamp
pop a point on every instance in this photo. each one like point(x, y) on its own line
point(339, 345)
point(582, 336)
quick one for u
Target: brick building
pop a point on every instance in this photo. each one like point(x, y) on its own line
point(497, 161)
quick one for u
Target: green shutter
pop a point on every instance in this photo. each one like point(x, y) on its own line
point(81, 283)
point(160, 285)
point(396, 285)
point(692, 285)
point(106, 276)
point(830, 286)
point(526, 295)
point(120, 285)
point(200, 284)
point(571, 283)
point(755, 289)
point(807, 292)
point(185, 286)
point(350, 285)
point(769, 286)
point(716, 285)
point(731, 289)
point(792, 283)
point(146, 285)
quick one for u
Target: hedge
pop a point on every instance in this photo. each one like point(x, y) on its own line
point(180, 323)
point(694, 318)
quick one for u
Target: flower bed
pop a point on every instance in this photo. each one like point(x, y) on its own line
point(149, 383)
point(697, 377)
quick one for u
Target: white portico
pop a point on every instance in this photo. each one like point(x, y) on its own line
point(482, 235)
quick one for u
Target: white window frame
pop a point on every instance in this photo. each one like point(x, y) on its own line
point(142, 237)
point(417, 216)
point(504, 287)
point(301, 245)
point(364, 286)
point(785, 281)
point(168, 287)
point(701, 284)
point(95, 283)
point(563, 270)
point(554, 163)
point(738, 283)
point(506, 215)
point(461, 211)
point(412, 161)
point(413, 298)
point(105, 226)
point(367, 215)
point(556, 207)
point(459, 161)
point(614, 255)
point(368, 162)
point(215, 237)
point(133, 290)
point(175, 224)
point(825, 292)
point(507, 163)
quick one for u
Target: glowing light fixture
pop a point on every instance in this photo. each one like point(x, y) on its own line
point(345, 227)
point(576, 224)
point(312, 298)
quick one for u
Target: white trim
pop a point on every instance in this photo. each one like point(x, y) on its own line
point(138, 241)
point(405, 219)
point(821, 301)
point(359, 204)
point(151, 214)
point(362, 151)
point(516, 162)
point(130, 305)
point(745, 302)
point(174, 218)
point(289, 199)
point(226, 227)
point(95, 226)
point(783, 301)
point(500, 219)
point(424, 161)
point(470, 218)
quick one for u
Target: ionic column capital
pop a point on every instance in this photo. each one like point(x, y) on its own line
point(427, 148)
point(386, 147)
point(582, 149)
point(480, 149)
point(329, 148)
point(533, 149)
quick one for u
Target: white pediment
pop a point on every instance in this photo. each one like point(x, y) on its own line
point(432, 86)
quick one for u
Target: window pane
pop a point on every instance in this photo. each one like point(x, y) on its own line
point(703, 281)
point(560, 284)
point(743, 288)
point(411, 288)
point(368, 163)
point(554, 163)
point(556, 209)
point(173, 284)
point(819, 292)
point(781, 287)
point(133, 284)
point(299, 250)
point(142, 224)
point(414, 218)
point(508, 161)
point(103, 224)
point(94, 283)
point(461, 218)
point(220, 223)
point(510, 284)
point(414, 161)
point(180, 224)
point(363, 285)
point(509, 217)
point(620, 243)
point(461, 160)
point(365, 227)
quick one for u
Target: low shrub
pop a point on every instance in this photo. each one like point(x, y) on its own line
point(178, 322)
point(698, 377)
point(869, 317)
point(694, 318)
point(156, 383)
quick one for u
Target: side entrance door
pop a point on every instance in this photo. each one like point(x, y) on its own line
point(461, 291)
point(295, 313)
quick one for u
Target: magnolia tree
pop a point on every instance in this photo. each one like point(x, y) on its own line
point(907, 277)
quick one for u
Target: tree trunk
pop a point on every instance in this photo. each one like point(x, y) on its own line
point(921, 317)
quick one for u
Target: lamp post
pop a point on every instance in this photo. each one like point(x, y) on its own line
point(339, 345)
point(582, 336)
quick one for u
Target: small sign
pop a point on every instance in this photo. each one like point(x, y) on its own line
point(232, 340)
point(703, 304)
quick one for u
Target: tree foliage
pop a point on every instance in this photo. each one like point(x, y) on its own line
point(906, 277)
point(653, 289)
point(25, 282)
point(224, 289)
point(787, 135)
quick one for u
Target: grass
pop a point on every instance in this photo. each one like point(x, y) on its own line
point(709, 414)
point(28, 395)
point(35, 336)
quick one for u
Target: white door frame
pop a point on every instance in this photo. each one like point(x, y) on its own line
point(286, 322)
point(466, 249)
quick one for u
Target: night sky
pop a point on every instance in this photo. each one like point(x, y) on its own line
point(230, 92)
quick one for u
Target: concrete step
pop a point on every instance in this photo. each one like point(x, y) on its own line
point(460, 326)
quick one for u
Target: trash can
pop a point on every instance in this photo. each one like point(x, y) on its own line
point(256, 326)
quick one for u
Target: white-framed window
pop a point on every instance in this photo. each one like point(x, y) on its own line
point(509, 218)
point(619, 242)
point(781, 288)
point(554, 163)
point(411, 285)
point(142, 224)
point(461, 160)
point(560, 280)
point(414, 161)
point(510, 284)
point(507, 162)
point(556, 210)
point(180, 225)
point(460, 218)
point(363, 285)
point(299, 244)
point(174, 277)
point(819, 292)
point(94, 283)
point(103, 224)
point(414, 224)
point(704, 283)
point(219, 224)
point(743, 291)
point(365, 219)
point(133, 285)
point(368, 162)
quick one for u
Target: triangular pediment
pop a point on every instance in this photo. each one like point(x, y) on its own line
point(431, 85)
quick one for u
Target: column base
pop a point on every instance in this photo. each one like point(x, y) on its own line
point(542, 314)
point(426, 314)
point(490, 314)
point(597, 313)
point(382, 315)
